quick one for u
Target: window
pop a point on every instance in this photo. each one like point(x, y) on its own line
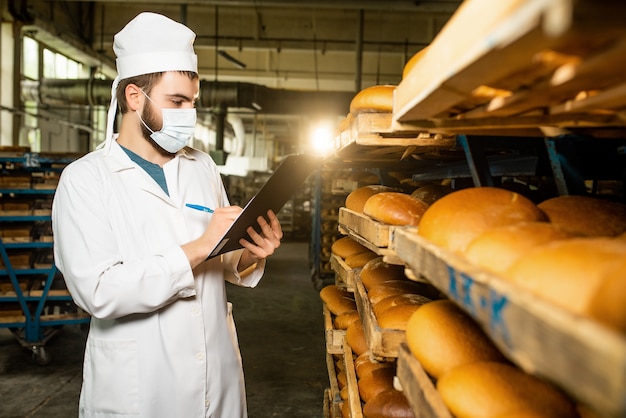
point(31, 58)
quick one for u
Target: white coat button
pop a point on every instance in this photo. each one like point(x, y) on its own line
point(206, 403)
point(195, 310)
point(200, 356)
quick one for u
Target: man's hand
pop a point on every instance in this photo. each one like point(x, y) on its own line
point(197, 250)
point(263, 244)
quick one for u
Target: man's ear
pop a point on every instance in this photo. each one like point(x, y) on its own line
point(134, 97)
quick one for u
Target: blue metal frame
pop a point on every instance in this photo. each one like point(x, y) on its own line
point(33, 331)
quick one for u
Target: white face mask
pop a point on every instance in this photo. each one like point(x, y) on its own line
point(177, 130)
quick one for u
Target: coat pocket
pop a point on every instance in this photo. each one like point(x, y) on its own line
point(111, 377)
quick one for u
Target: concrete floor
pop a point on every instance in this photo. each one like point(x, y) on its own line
point(281, 334)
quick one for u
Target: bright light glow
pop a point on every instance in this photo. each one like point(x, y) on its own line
point(322, 138)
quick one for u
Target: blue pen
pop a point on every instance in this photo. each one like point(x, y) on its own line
point(199, 207)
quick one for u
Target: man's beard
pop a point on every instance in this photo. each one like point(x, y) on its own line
point(151, 120)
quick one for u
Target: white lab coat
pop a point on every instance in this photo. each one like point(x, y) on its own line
point(162, 341)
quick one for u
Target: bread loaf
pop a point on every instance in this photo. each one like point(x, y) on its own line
point(498, 248)
point(345, 247)
point(396, 317)
point(388, 404)
point(345, 410)
point(365, 364)
point(587, 216)
point(431, 193)
point(412, 62)
point(454, 220)
point(568, 273)
point(381, 291)
point(373, 99)
point(395, 208)
point(359, 260)
point(344, 393)
point(342, 379)
point(357, 198)
point(337, 299)
point(375, 382)
point(377, 271)
point(441, 336)
point(491, 390)
point(398, 300)
point(344, 320)
point(355, 337)
point(608, 303)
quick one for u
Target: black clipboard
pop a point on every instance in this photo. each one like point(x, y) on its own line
point(277, 190)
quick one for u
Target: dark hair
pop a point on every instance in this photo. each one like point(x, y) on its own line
point(144, 82)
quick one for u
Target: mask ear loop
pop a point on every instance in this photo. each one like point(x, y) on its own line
point(108, 139)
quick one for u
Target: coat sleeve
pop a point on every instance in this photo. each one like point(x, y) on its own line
point(101, 281)
point(248, 278)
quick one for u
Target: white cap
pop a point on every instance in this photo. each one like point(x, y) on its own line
point(150, 43)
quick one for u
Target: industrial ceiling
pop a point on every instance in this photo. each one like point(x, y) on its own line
point(327, 45)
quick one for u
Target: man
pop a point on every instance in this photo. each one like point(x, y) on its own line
point(162, 341)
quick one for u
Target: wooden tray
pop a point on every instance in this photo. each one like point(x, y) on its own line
point(356, 410)
point(521, 70)
point(418, 387)
point(335, 396)
point(331, 409)
point(344, 274)
point(383, 343)
point(584, 358)
point(368, 232)
point(334, 337)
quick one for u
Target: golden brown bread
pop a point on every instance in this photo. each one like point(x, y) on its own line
point(345, 410)
point(608, 303)
point(375, 382)
point(364, 364)
point(377, 271)
point(395, 208)
point(412, 62)
point(498, 248)
point(491, 389)
point(442, 337)
point(431, 193)
point(345, 247)
point(454, 220)
point(587, 216)
point(357, 198)
point(373, 99)
point(568, 273)
point(338, 300)
point(398, 287)
point(344, 320)
point(355, 337)
point(359, 260)
point(396, 317)
point(342, 378)
point(398, 300)
point(388, 404)
point(343, 393)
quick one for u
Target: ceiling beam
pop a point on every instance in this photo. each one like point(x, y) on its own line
point(432, 6)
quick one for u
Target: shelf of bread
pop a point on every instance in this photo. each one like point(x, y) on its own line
point(382, 342)
point(530, 67)
point(418, 387)
point(375, 129)
point(581, 356)
point(368, 232)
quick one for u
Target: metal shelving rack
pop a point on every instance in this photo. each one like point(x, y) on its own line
point(46, 308)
